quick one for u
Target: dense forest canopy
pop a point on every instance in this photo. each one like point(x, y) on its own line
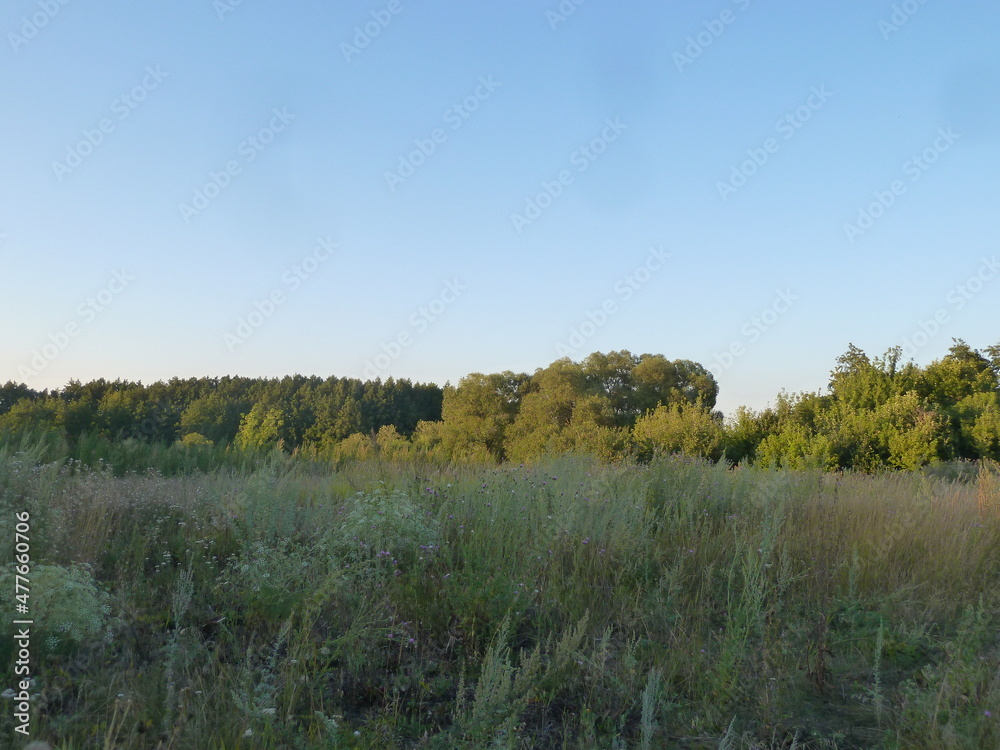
point(877, 412)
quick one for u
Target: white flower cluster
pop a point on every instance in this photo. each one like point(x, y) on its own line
point(67, 604)
point(387, 523)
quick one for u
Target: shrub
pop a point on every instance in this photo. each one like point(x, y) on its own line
point(67, 605)
point(380, 522)
point(195, 439)
point(692, 430)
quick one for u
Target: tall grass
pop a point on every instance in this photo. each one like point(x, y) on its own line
point(284, 603)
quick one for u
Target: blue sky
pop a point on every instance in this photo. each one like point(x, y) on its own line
point(426, 190)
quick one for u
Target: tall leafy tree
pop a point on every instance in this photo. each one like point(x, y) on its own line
point(477, 412)
point(214, 416)
point(262, 427)
point(11, 393)
point(543, 420)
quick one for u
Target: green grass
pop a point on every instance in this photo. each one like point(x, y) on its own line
point(565, 605)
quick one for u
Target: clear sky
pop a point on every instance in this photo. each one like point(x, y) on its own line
point(198, 188)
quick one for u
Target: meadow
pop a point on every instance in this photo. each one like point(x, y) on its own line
point(283, 602)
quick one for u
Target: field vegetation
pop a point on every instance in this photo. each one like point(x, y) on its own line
point(278, 601)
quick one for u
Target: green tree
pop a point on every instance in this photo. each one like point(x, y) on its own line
point(542, 422)
point(959, 374)
point(27, 417)
point(214, 416)
point(914, 434)
point(677, 428)
point(593, 429)
point(476, 414)
point(611, 376)
point(974, 419)
point(348, 420)
point(11, 393)
point(744, 432)
point(862, 383)
point(122, 411)
point(261, 427)
point(985, 433)
point(77, 417)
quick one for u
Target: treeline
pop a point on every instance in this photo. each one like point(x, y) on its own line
point(591, 405)
point(880, 412)
point(242, 412)
point(876, 413)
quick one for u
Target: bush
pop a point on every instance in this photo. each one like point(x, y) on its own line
point(195, 439)
point(380, 522)
point(692, 430)
point(67, 605)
